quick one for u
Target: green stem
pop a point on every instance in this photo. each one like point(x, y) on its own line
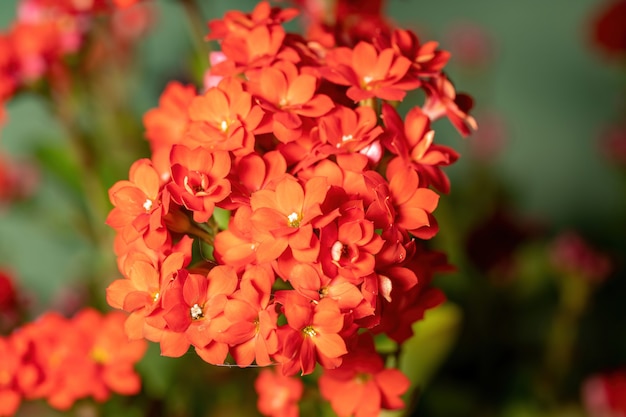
point(96, 204)
point(563, 332)
point(197, 31)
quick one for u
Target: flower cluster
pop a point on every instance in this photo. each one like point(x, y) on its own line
point(279, 219)
point(44, 33)
point(63, 360)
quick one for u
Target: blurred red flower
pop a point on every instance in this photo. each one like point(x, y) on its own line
point(604, 395)
point(608, 28)
point(278, 394)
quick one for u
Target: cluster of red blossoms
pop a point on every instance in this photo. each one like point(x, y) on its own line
point(279, 219)
point(63, 360)
point(43, 34)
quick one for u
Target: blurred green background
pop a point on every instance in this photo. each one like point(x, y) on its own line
point(541, 90)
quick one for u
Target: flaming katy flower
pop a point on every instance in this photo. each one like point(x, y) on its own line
point(313, 192)
point(10, 395)
point(442, 100)
point(362, 385)
point(311, 334)
point(278, 394)
point(412, 141)
point(63, 360)
point(370, 73)
point(288, 214)
point(140, 293)
point(289, 96)
point(194, 310)
point(225, 118)
point(138, 211)
point(198, 179)
point(47, 31)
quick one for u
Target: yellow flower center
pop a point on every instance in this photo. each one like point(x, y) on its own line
point(99, 355)
point(293, 220)
point(309, 331)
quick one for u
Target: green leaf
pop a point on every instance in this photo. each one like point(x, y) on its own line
point(59, 162)
point(433, 339)
point(221, 217)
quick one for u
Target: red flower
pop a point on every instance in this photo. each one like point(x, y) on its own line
point(236, 22)
point(199, 179)
point(255, 172)
point(408, 294)
point(349, 244)
point(278, 394)
point(311, 334)
point(236, 245)
point(604, 395)
point(124, 3)
point(252, 332)
point(194, 309)
point(8, 294)
point(370, 73)
point(113, 355)
point(403, 203)
point(426, 59)
point(142, 291)
point(345, 130)
point(288, 214)
point(225, 118)
point(138, 208)
point(609, 31)
point(309, 281)
point(64, 360)
point(361, 386)
point(10, 366)
point(442, 99)
point(250, 41)
point(289, 95)
point(412, 142)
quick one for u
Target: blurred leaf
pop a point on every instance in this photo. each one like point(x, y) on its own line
point(156, 372)
point(533, 271)
point(58, 161)
point(434, 336)
point(221, 217)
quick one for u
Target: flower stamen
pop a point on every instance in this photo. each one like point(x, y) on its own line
point(337, 251)
point(196, 312)
point(293, 220)
point(309, 331)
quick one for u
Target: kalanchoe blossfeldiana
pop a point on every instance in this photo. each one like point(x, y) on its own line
point(309, 191)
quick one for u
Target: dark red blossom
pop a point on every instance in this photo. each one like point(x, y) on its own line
point(608, 30)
